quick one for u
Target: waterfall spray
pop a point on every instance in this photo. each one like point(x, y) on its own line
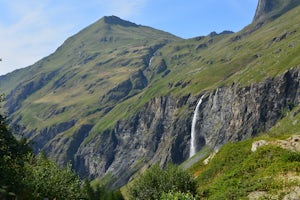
point(193, 142)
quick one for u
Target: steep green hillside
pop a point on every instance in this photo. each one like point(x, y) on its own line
point(205, 63)
point(265, 167)
point(118, 97)
point(270, 172)
point(269, 168)
point(87, 75)
point(90, 73)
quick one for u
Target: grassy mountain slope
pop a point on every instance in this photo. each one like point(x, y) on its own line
point(206, 63)
point(85, 68)
point(236, 172)
point(272, 171)
point(110, 70)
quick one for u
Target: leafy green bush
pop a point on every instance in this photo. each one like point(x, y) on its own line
point(26, 176)
point(12, 160)
point(177, 196)
point(99, 192)
point(156, 181)
point(45, 179)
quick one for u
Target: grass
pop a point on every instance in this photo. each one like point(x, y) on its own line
point(99, 79)
point(235, 171)
point(218, 64)
point(238, 66)
point(232, 176)
point(290, 124)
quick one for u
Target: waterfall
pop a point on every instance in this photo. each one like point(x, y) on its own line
point(193, 142)
point(150, 61)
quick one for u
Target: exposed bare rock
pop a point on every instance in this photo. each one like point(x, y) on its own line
point(271, 9)
point(293, 195)
point(210, 157)
point(158, 134)
point(292, 143)
point(257, 195)
point(258, 144)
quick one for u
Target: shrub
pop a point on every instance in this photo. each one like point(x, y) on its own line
point(156, 181)
point(45, 179)
point(177, 196)
point(13, 154)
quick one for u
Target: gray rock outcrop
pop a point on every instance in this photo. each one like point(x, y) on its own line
point(159, 133)
point(271, 9)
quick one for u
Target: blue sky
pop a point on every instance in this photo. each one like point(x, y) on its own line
point(32, 29)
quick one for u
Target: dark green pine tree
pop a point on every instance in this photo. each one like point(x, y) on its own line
point(12, 160)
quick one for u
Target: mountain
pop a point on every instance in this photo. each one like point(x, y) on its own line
point(118, 97)
point(268, 10)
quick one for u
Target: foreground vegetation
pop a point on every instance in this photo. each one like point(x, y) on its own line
point(26, 176)
point(157, 183)
point(235, 172)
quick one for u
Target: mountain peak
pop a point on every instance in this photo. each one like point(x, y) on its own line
point(271, 9)
point(114, 20)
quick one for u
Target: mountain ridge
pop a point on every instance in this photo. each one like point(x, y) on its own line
point(117, 97)
point(270, 10)
point(114, 20)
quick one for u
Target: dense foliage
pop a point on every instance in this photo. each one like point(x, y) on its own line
point(12, 161)
point(99, 192)
point(45, 179)
point(12, 153)
point(177, 196)
point(26, 176)
point(156, 181)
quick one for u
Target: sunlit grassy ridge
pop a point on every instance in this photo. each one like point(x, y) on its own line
point(86, 67)
point(88, 70)
point(203, 64)
point(229, 175)
point(236, 172)
point(199, 63)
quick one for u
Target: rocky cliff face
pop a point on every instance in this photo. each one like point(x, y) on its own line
point(236, 113)
point(150, 136)
point(271, 9)
point(160, 132)
point(73, 107)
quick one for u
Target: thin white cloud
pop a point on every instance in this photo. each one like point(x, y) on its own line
point(37, 28)
point(29, 36)
point(32, 29)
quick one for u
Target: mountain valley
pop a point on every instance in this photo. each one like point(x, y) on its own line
point(118, 97)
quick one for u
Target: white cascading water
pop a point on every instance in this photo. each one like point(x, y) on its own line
point(193, 142)
point(150, 61)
